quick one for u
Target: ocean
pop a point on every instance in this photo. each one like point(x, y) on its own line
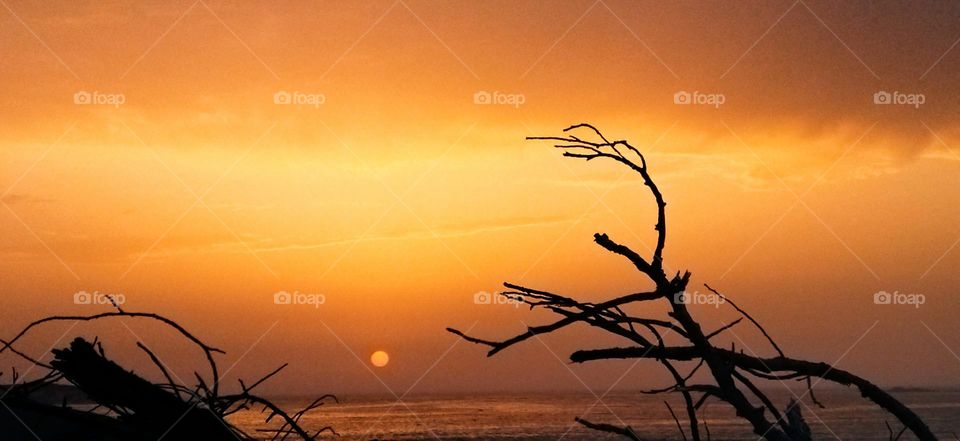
point(541, 417)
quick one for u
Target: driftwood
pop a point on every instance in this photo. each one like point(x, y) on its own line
point(733, 373)
point(148, 408)
point(129, 407)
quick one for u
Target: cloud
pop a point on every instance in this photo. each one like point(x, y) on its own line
point(24, 199)
point(261, 244)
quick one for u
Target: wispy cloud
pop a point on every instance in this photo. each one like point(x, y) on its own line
point(25, 199)
point(265, 245)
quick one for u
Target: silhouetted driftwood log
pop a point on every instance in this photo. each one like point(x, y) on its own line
point(129, 407)
point(733, 373)
point(145, 406)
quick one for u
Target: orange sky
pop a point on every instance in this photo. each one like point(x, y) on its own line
point(398, 198)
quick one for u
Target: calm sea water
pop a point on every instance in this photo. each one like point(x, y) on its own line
point(535, 417)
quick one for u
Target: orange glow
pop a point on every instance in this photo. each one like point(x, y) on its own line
point(402, 195)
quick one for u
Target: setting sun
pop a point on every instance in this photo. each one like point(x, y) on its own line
point(379, 359)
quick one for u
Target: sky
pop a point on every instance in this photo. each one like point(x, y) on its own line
point(199, 157)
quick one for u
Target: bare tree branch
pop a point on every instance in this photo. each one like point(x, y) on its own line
point(730, 370)
point(609, 428)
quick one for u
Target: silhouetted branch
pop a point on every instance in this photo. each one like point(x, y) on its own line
point(155, 410)
point(772, 365)
point(675, 419)
point(730, 370)
point(609, 428)
point(813, 397)
point(597, 150)
point(890, 429)
point(755, 323)
point(604, 241)
point(207, 350)
point(159, 365)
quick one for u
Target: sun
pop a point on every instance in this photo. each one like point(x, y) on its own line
point(379, 359)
